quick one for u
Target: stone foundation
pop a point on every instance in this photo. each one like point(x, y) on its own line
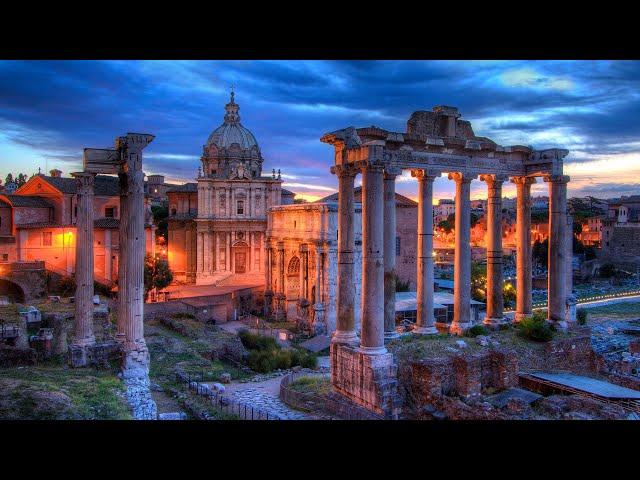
point(135, 372)
point(98, 355)
point(367, 380)
point(426, 381)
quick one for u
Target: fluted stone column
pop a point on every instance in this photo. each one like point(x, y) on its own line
point(425, 320)
point(462, 267)
point(390, 174)
point(523, 247)
point(345, 321)
point(495, 280)
point(83, 322)
point(557, 276)
point(318, 308)
point(268, 292)
point(372, 330)
point(280, 295)
point(132, 302)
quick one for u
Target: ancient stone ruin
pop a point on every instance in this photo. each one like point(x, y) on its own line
point(125, 160)
point(435, 142)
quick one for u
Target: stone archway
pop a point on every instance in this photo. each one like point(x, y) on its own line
point(292, 290)
point(240, 252)
point(12, 290)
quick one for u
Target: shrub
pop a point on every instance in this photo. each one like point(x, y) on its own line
point(581, 316)
point(283, 359)
point(477, 330)
point(536, 329)
point(309, 360)
point(261, 361)
point(183, 315)
point(253, 341)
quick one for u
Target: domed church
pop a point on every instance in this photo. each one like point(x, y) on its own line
point(217, 226)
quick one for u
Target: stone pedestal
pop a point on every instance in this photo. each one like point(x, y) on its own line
point(268, 304)
point(367, 380)
point(319, 323)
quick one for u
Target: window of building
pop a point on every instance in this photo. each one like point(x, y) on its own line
point(46, 239)
point(397, 246)
point(110, 212)
point(240, 209)
point(5, 257)
point(75, 211)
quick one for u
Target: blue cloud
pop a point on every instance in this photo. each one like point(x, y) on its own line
point(50, 110)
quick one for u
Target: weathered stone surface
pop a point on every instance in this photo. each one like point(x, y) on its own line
point(16, 356)
point(368, 380)
point(172, 416)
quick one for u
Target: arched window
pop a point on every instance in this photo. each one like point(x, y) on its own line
point(294, 266)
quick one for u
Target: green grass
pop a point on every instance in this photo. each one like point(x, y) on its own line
point(55, 392)
point(317, 385)
point(621, 310)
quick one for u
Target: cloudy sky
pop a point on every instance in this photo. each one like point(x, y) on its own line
point(50, 110)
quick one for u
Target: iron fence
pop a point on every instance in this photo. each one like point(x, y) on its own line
point(194, 381)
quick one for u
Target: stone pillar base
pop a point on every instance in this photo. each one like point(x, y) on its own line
point(345, 338)
point(561, 326)
point(268, 304)
point(319, 325)
point(135, 362)
point(495, 323)
point(459, 328)
point(80, 355)
point(388, 336)
point(520, 316)
point(280, 313)
point(367, 380)
point(425, 331)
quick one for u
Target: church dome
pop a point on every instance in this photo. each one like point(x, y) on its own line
point(232, 131)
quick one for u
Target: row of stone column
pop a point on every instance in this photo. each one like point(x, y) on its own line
point(378, 252)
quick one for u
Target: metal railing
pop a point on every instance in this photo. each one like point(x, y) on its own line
point(195, 382)
point(333, 408)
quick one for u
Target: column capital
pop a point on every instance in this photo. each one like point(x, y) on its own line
point(462, 177)
point(493, 178)
point(280, 246)
point(524, 180)
point(84, 180)
point(370, 164)
point(344, 170)
point(304, 248)
point(422, 174)
point(391, 172)
point(560, 179)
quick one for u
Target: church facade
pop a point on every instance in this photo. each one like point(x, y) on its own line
point(217, 225)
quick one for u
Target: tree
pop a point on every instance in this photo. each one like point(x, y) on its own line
point(157, 274)
point(299, 200)
point(478, 281)
point(508, 295)
point(9, 179)
point(160, 214)
point(21, 180)
point(445, 225)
